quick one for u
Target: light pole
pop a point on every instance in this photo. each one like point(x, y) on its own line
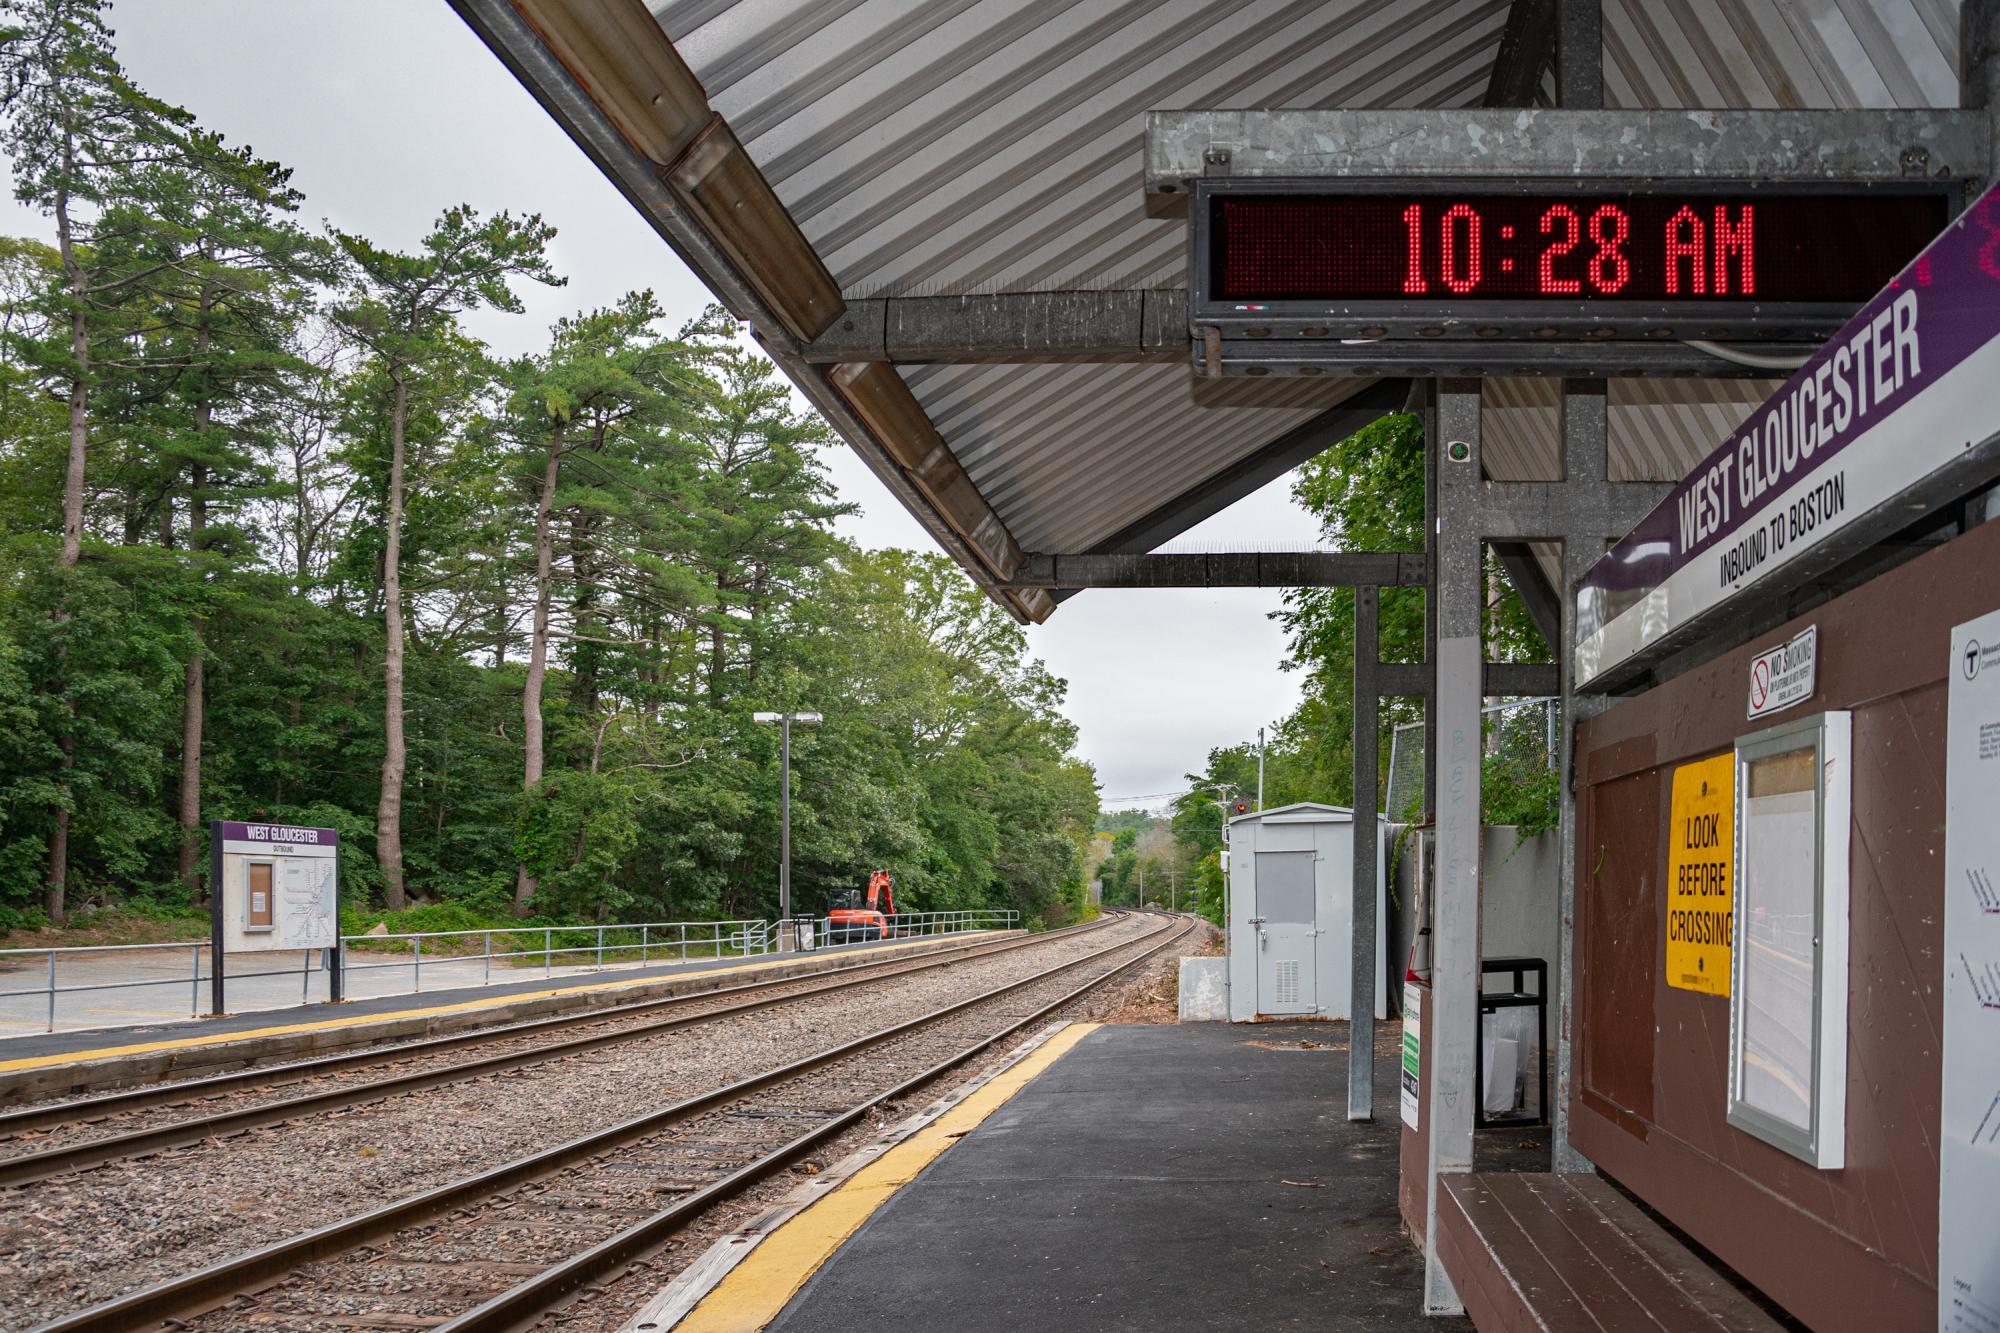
point(784, 721)
point(1222, 863)
point(1260, 768)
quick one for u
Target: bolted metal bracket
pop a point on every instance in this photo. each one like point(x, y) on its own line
point(1215, 161)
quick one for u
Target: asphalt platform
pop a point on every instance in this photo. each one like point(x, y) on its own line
point(1202, 1176)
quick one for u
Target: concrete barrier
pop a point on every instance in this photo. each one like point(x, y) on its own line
point(1204, 990)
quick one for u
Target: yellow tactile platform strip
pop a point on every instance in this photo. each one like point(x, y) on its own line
point(753, 1292)
point(361, 1020)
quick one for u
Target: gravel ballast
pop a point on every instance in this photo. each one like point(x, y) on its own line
point(76, 1240)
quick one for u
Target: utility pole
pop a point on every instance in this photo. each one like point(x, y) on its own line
point(1142, 884)
point(1260, 768)
point(786, 938)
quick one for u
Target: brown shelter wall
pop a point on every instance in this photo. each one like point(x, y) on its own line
point(1849, 1249)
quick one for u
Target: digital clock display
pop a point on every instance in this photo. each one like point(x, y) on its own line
point(1683, 249)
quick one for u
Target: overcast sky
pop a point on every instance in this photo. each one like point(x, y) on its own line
point(389, 111)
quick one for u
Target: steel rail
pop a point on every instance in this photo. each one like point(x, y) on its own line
point(526, 1303)
point(203, 1290)
point(26, 1168)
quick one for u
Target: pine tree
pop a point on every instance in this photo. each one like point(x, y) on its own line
point(77, 132)
point(404, 309)
point(236, 289)
point(608, 378)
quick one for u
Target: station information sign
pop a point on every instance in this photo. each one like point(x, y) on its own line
point(1893, 416)
point(1692, 259)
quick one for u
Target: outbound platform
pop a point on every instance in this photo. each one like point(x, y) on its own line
point(1122, 1177)
point(304, 1029)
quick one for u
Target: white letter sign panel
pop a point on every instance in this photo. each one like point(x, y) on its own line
point(1969, 1154)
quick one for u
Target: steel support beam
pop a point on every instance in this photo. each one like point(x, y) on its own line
point(1514, 680)
point(1403, 680)
point(1535, 510)
point(1236, 569)
point(1498, 680)
point(1544, 607)
point(1562, 143)
point(1246, 475)
point(1364, 959)
point(1015, 327)
point(1526, 45)
point(1581, 350)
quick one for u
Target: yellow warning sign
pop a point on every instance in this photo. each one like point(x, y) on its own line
point(1701, 845)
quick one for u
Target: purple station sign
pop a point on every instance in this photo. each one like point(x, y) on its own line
point(1903, 393)
point(277, 835)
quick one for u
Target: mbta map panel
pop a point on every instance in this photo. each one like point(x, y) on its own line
point(1700, 259)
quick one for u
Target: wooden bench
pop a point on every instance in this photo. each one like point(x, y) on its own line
point(1556, 1253)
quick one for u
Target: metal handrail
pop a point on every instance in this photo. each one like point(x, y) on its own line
point(663, 940)
point(919, 925)
point(195, 978)
point(712, 939)
point(666, 939)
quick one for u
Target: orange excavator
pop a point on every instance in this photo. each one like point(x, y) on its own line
point(862, 914)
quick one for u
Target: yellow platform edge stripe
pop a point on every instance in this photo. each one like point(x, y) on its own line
point(463, 1006)
point(753, 1293)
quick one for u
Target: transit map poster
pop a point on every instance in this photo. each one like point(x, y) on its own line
point(1969, 1154)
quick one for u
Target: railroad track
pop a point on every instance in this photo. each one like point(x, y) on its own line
point(498, 1249)
point(604, 1027)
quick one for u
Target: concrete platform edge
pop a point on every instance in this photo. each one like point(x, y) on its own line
point(691, 1286)
point(62, 1075)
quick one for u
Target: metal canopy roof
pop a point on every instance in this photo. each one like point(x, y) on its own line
point(940, 147)
point(946, 147)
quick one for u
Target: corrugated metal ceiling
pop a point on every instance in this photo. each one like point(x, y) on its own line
point(1032, 437)
point(946, 146)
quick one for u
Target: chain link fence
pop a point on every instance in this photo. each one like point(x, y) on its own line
point(1520, 739)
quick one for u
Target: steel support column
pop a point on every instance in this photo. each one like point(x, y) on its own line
point(1979, 70)
point(1585, 466)
point(1455, 699)
point(1580, 55)
point(1364, 958)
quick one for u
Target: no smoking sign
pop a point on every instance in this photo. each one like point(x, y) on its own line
point(1784, 675)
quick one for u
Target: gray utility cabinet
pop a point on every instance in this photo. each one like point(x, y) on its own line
point(1291, 910)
